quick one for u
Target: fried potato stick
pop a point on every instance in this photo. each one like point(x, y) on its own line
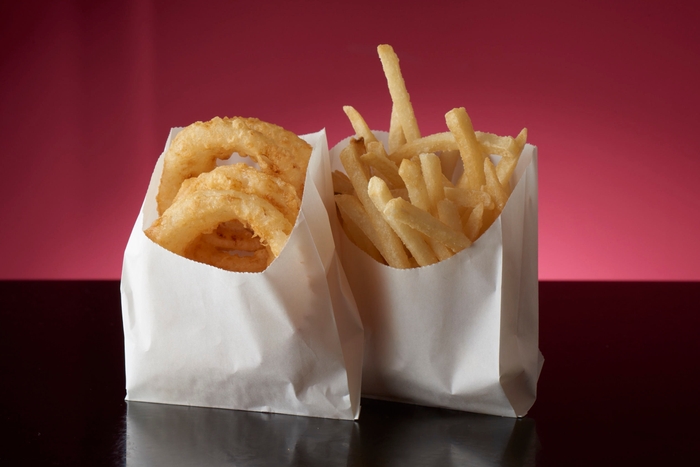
point(357, 225)
point(461, 127)
point(432, 143)
point(420, 220)
point(386, 240)
point(473, 222)
point(341, 183)
point(493, 186)
point(380, 195)
point(433, 178)
point(412, 176)
point(448, 214)
point(377, 159)
point(396, 136)
point(399, 94)
point(359, 125)
point(445, 141)
point(507, 164)
point(468, 198)
point(448, 161)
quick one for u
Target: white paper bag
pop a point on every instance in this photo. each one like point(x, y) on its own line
point(462, 333)
point(287, 340)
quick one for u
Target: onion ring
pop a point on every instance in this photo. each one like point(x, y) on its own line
point(203, 252)
point(292, 170)
point(246, 179)
point(235, 217)
point(197, 147)
point(239, 240)
point(202, 211)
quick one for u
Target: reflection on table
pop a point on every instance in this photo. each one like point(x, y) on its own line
point(388, 434)
point(621, 370)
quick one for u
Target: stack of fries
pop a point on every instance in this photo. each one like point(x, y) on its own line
point(408, 206)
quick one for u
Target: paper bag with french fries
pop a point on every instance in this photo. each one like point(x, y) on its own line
point(439, 245)
point(284, 340)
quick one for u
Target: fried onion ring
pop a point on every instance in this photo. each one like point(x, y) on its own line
point(204, 252)
point(235, 217)
point(197, 147)
point(244, 178)
point(291, 169)
point(245, 240)
point(202, 211)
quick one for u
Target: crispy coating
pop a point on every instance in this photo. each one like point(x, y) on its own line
point(247, 179)
point(202, 211)
point(233, 239)
point(197, 147)
point(235, 217)
point(204, 252)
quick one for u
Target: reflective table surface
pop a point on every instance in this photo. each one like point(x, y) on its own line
point(619, 387)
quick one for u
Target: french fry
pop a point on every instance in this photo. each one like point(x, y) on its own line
point(357, 225)
point(359, 125)
point(399, 94)
point(412, 191)
point(505, 146)
point(386, 240)
point(461, 127)
point(493, 186)
point(468, 198)
point(504, 170)
point(507, 164)
point(448, 214)
point(440, 250)
point(490, 215)
point(432, 176)
point(377, 159)
point(422, 221)
point(412, 176)
point(341, 183)
point(521, 139)
point(414, 241)
point(396, 136)
point(445, 141)
point(446, 183)
point(473, 223)
point(432, 143)
point(358, 147)
point(448, 161)
point(415, 184)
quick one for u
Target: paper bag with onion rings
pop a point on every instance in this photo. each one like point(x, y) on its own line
point(284, 340)
point(443, 262)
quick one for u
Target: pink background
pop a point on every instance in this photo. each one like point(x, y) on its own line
point(608, 91)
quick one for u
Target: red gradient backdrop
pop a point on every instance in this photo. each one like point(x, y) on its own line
point(607, 89)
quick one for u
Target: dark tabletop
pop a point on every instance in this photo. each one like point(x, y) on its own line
point(619, 387)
